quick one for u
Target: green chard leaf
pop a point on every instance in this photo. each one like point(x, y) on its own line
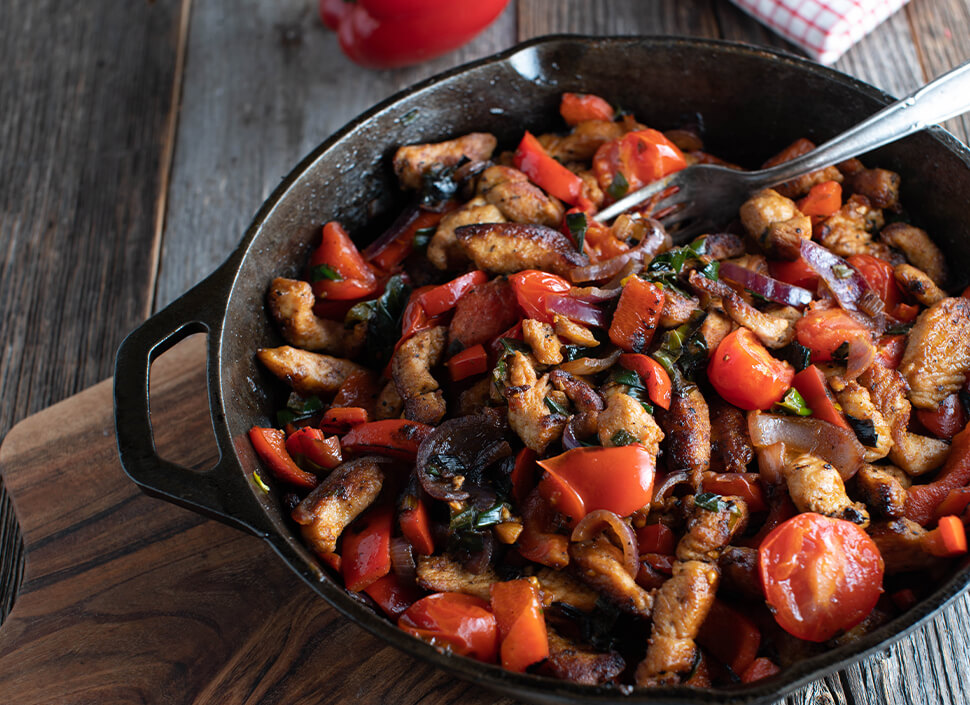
point(325, 272)
point(619, 187)
point(576, 222)
point(623, 438)
point(793, 403)
point(555, 407)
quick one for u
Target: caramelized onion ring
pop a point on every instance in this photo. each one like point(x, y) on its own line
point(599, 521)
point(591, 365)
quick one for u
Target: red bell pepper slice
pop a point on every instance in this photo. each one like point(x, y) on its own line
point(464, 624)
point(637, 315)
point(582, 480)
point(365, 548)
point(889, 350)
point(796, 273)
point(397, 438)
point(521, 626)
point(270, 445)
point(312, 444)
point(948, 539)
point(341, 419)
point(822, 200)
point(656, 538)
point(523, 474)
point(811, 384)
point(415, 524)
point(653, 374)
point(389, 254)
point(745, 485)
point(469, 362)
point(923, 500)
point(580, 107)
point(730, 637)
point(392, 595)
point(759, 669)
point(946, 420)
point(337, 270)
point(443, 298)
point(536, 542)
point(955, 503)
point(532, 160)
point(532, 287)
point(385, 34)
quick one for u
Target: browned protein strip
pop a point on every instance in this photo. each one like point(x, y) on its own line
point(411, 367)
point(413, 161)
point(504, 248)
point(687, 427)
point(308, 372)
point(574, 662)
point(729, 435)
point(937, 355)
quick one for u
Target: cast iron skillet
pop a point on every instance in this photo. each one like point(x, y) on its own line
point(751, 102)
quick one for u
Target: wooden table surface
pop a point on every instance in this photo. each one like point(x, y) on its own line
point(137, 139)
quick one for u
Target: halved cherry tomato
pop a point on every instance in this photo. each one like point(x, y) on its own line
point(582, 480)
point(395, 437)
point(310, 443)
point(745, 485)
point(521, 626)
point(880, 277)
point(579, 107)
point(270, 445)
point(337, 269)
point(656, 538)
point(822, 200)
point(470, 361)
point(462, 623)
point(811, 384)
point(365, 548)
point(443, 298)
point(823, 330)
point(637, 315)
point(745, 374)
point(341, 419)
point(392, 594)
point(531, 288)
point(653, 374)
point(889, 350)
point(532, 160)
point(821, 575)
point(946, 420)
point(640, 157)
point(796, 273)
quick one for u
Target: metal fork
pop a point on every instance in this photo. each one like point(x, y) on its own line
point(704, 197)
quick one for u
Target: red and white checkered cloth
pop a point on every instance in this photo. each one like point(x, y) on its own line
point(823, 28)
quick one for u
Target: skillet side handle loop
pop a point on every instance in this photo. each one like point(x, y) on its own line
point(221, 492)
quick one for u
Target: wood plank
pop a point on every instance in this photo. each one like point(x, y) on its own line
point(941, 28)
point(616, 17)
point(238, 138)
point(83, 126)
point(130, 599)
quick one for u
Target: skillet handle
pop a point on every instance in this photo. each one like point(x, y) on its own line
point(221, 492)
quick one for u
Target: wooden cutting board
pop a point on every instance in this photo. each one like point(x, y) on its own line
point(130, 599)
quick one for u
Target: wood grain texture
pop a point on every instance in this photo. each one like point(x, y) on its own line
point(130, 599)
point(84, 105)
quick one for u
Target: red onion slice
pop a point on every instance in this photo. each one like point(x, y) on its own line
point(652, 243)
point(569, 440)
point(400, 224)
point(576, 310)
point(771, 463)
point(600, 520)
point(594, 294)
point(662, 489)
point(768, 287)
point(838, 446)
point(402, 559)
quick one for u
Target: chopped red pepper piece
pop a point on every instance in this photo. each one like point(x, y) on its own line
point(889, 350)
point(462, 623)
point(634, 160)
point(760, 668)
point(811, 384)
point(532, 287)
point(656, 538)
point(521, 626)
point(946, 420)
point(337, 269)
point(415, 524)
point(948, 539)
point(443, 298)
point(533, 161)
point(341, 419)
point(389, 255)
point(637, 315)
point(270, 445)
point(822, 200)
point(469, 362)
point(955, 503)
point(745, 485)
point(310, 443)
point(922, 501)
point(392, 595)
point(523, 474)
point(395, 437)
point(365, 548)
point(653, 375)
point(796, 273)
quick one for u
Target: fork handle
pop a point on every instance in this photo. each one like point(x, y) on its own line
point(939, 100)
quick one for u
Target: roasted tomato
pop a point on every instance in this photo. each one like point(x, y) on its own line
point(462, 623)
point(745, 374)
point(531, 288)
point(821, 576)
point(634, 160)
point(823, 331)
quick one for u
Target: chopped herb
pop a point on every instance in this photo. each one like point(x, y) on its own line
point(259, 481)
point(683, 353)
point(841, 353)
point(710, 501)
point(665, 268)
point(298, 408)
point(466, 524)
point(793, 403)
point(383, 316)
point(573, 352)
point(619, 186)
point(438, 185)
point(576, 222)
point(900, 328)
point(623, 438)
point(630, 378)
point(325, 271)
point(842, 271)
point(646, 406)
point(495, 514)
point(865, 430)
point(711, 269)
point(555, 407)
point(421, 238)
point(756, 296)
point(800, 357)
point(511, 345)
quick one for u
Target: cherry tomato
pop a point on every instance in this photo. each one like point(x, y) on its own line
point(796, 273)
point(641, 156)
point(880, 277)
point(531, 288)
point(946, 420)
point(582, 480)
point(745, 374)
point(579, 107)
point(462, 623)
point(821, 576)
point(337, 269)
point(823, 330)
